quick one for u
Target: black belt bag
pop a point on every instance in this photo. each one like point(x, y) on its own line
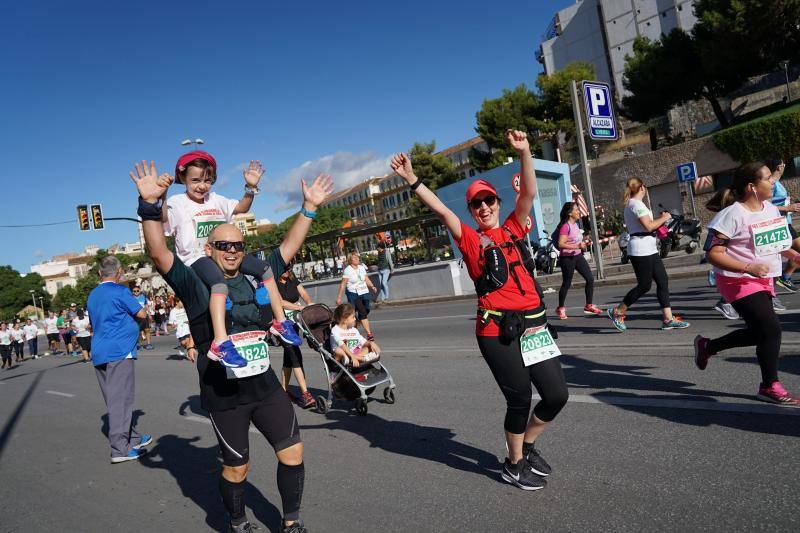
point(513, 323)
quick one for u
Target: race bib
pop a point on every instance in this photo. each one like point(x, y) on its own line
point(537, 345)
point(771, 236)
point(205, 224)
point(251, 346)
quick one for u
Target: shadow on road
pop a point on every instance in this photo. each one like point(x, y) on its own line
point(790, 365)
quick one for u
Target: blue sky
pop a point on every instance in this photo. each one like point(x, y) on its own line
point(91, 87)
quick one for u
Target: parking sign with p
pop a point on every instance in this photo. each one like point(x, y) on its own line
point(599, 110)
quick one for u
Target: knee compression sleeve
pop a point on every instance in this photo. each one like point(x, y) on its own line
point(290, 485)
point(233, 499)
point(219, 288)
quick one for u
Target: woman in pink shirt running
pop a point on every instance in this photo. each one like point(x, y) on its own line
point(749, 238)
point(572, 245)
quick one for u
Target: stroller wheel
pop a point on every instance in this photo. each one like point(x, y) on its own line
point(388, 395)
point(361, 406)
point(322, 404)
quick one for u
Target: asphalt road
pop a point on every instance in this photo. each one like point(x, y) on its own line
point(647, 442)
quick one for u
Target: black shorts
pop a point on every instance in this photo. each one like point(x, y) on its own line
point(85, 343)
point(292, 356)
point(273, 416)
point(67, 335)
point(183, 338)
point(144, 323)
point(52, 337)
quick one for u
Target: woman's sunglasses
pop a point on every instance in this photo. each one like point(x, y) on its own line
point(225, 246)
point(490, 200)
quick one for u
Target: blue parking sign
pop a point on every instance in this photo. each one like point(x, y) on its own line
point(686, 172)
point(599, 111)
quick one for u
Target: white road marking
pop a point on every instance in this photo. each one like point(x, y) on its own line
point(695, 405)
point(207, 421)
point(56, 393)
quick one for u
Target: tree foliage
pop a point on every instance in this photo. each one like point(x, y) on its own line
point(328, 218)
point(760, 138)
point(435, 170)
point(556, 101)
point(14, 291)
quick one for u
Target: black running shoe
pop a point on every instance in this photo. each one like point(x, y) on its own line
point(245, 527)
point(520, 475)
point(297, 527)
point(536, 462)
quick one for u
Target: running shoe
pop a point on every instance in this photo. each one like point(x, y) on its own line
point(370, 337)
point(701, 352)
point(535, 461)
point(262, 294)
point(520, 475)
point(786, 284)
point(144, 441)
point(132, 456)
point(591, 309)
point(561, 312)
point(617, 319)
point(675, 323)
point(227, 354)
point(285, 330)
point(775, 393)
point(727, 310)
point(778, 305)
point(296, 527)
point(306, 401)
point(149, 347)
point(245, 527)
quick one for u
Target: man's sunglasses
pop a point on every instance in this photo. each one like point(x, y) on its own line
point(225, 246)
point(490, 200)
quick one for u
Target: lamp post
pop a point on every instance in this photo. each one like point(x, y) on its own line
point(785, 66)
point(195, 143)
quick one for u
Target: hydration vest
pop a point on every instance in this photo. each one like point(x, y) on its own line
point(498, 267)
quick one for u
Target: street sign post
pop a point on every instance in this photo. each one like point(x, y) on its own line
point(599, 111)
point(687, 173)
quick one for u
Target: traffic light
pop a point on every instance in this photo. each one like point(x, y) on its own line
point(97, 216)
point(83, 218)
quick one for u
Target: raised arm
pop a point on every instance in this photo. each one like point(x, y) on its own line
point(153, 187)
point(401, 165)
point(527, 182)
point(314, 195)
point(252, 175)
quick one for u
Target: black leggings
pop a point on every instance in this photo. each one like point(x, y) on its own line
point(763, 331)
point(648, 268)
point(514, 380)
point(5, 354)
point(569, 264)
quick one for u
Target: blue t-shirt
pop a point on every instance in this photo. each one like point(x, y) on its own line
point(142, 299)
point(780, 197)
point(112, 308)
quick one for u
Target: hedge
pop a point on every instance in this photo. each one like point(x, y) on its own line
point(778, 133)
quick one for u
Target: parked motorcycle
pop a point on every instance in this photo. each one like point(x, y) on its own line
point(546, 256)
point(683, 233)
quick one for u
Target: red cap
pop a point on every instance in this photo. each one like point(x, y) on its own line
point(479, 186)
point(185, 159)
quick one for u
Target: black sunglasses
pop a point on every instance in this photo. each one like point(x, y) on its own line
point(225, 246)
point(490, 200)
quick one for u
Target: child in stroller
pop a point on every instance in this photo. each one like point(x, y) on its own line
point(347, 344)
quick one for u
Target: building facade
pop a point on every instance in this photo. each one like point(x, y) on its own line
point(601, 32)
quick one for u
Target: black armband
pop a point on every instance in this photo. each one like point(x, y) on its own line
point(148, 211)
point(416, 184)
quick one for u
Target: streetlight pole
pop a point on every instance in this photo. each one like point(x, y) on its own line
point(785, 65)
point(194, 143)
point(35, 309)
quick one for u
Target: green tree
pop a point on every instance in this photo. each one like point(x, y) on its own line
point(435, 170)
point(556, 102)
point(328, 218)
point(67, 295)
point(15, 291)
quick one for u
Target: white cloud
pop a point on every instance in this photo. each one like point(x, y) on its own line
point(346, 168)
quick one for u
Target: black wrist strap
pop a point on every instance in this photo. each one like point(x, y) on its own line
point(148, 211)
point(416, 184)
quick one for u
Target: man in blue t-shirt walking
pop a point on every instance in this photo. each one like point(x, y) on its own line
point(113, 312)
point(782, 200)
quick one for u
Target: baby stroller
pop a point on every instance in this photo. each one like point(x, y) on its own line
point(344, 382)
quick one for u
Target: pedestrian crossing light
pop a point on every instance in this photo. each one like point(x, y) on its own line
point(83, 218)
point(97, 216)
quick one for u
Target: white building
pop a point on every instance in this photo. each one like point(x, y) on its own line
point(602, 32)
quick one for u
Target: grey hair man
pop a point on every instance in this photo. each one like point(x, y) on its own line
point(112, 312)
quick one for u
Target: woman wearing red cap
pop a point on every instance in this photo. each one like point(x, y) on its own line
point(511, 327)
point(191, 217)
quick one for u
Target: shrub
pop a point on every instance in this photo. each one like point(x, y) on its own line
point(778, 133)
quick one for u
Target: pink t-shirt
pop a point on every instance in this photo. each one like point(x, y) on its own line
point(735, 222)
point(574, 236)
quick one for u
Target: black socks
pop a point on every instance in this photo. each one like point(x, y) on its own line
point(233, 498)
point(290, 485)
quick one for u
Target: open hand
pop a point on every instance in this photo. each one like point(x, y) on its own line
point(252, 174)
point(401, 164)
point(518, 141)
point(150, 185)
point(316, 193)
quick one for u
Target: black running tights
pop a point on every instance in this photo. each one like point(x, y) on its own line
point(763, 331)
point(514, 380)
point(569, 264)
point(648, 268)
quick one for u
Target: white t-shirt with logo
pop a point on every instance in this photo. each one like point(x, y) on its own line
point(5, 337)
point(17, 334)
point(350, 336)
point(356, 279)
point(735, 222)
point(81, 326)
point(31, 331)
point(178, 317)
point(191, 223)
point(51, 325)
point(644, 245)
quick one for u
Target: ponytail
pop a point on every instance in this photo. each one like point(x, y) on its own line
point(632, 186)
point(745, 175)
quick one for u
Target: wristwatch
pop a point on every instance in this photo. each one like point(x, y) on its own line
point(251, 189)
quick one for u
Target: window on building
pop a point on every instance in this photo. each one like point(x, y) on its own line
point(59, 285)
point(463, 175)
point(405, 196)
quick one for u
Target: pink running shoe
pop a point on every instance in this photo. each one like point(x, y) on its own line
point(561, 312)
point(701, 352)
point(591, 309)
point(775, 393)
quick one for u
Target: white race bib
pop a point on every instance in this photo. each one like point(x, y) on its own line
point(251, 346)
point(537, 345)
point(771, 236)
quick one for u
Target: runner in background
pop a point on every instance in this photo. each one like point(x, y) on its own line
point(145, 340)
point(82, 330)
point(32, 336)
point(18, 341)
point(291, 292)
point(51, 330)
point(571, 246)
point(5, 345)
point(180, 321)
point(750, 236)
point(781, 200)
